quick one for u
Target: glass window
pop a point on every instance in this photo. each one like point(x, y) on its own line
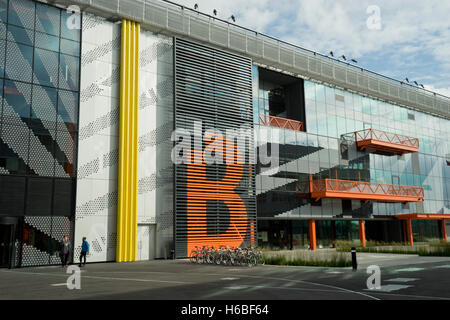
point(320, 93)
point(43, 108)
point(46, 67)
point(14, 148)
point(2, 31)
point(47, 19)
point(341, 128)
point(17, 102)
point(330, 98)
point(41, 152)
point(1, 95)
point(65, 154)
point(70, 47)
point(3, 10)
point(46, 41)
point(2, 61)
point(70, 26)
point(310, 91)
point(332, 128)
point(67, 110)
point(21, 13)
point(19, 59)
point(20, 35)
point(366, 105)
point(68, 71)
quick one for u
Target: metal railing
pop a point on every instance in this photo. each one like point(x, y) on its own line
point(392, 138)
point(367, 188)
point(282, 123)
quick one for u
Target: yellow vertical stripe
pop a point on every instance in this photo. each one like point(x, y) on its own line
point(128, 143)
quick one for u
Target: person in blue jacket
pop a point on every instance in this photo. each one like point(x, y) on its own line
point(84, 250)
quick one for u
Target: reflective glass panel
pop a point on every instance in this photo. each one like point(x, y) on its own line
point(47, 19)
point(21, 13)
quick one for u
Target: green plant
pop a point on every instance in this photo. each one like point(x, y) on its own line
point(308, 258)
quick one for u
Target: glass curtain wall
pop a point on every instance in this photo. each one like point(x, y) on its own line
point(39, 87)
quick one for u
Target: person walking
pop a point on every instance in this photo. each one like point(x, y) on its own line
point(84, 250)
point(64, 251)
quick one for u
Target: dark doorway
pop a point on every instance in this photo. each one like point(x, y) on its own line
point(6, 244)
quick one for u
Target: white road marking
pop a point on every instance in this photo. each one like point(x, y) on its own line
point(102, 278)
point(58, 284)
point(234, 269)
point(402, 279)
point(229, 279)
point(409, 269)
point(236, 287)
point(445, 266)
point(389, 288)
point(334, 272)
point(410, 296)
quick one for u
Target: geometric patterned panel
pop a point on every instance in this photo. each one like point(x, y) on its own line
point(34, 257)
point(41, 157)
point(17, 139)
point(67, 110)
point(48, 19)
point(97, 143)
point(46, 63)
point(95, 205)
point(44, 107)
point(41, 245)
point(66, 143)
point(61, 226)
point(17, 101)
point(21, 13)
point(41, 223)
point(108, 120)
point(19, 59)
point(155, 172)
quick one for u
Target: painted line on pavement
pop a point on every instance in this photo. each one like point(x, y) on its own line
point(101, 278)
point(389, 288)
point(408, 270)
point(402, 279)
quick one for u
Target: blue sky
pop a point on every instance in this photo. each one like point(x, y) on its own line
point(413, 38)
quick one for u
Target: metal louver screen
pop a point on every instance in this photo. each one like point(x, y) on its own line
point(214, 203)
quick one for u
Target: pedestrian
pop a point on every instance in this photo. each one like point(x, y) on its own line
point(84, 250)
point(64, 251)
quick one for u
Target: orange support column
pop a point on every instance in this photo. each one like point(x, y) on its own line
point(444, 230)
point(312, 234)
point(362, 233)
point(410, 233)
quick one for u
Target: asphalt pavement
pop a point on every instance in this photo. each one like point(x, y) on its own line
point(405, 277)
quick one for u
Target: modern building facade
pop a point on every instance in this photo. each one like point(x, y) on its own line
point(150, 129)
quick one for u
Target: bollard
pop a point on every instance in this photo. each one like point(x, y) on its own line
point(354, 262)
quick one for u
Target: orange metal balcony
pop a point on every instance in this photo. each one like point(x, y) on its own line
point(385, 142)
point(281, 122)
point(368, 191)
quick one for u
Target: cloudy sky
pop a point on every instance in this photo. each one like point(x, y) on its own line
point(410, 39)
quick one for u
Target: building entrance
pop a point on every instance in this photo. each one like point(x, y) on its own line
point(6, 244)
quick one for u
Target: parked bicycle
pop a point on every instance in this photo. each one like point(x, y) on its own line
point(227, 256)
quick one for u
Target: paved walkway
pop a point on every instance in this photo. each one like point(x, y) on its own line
point(402, 277)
